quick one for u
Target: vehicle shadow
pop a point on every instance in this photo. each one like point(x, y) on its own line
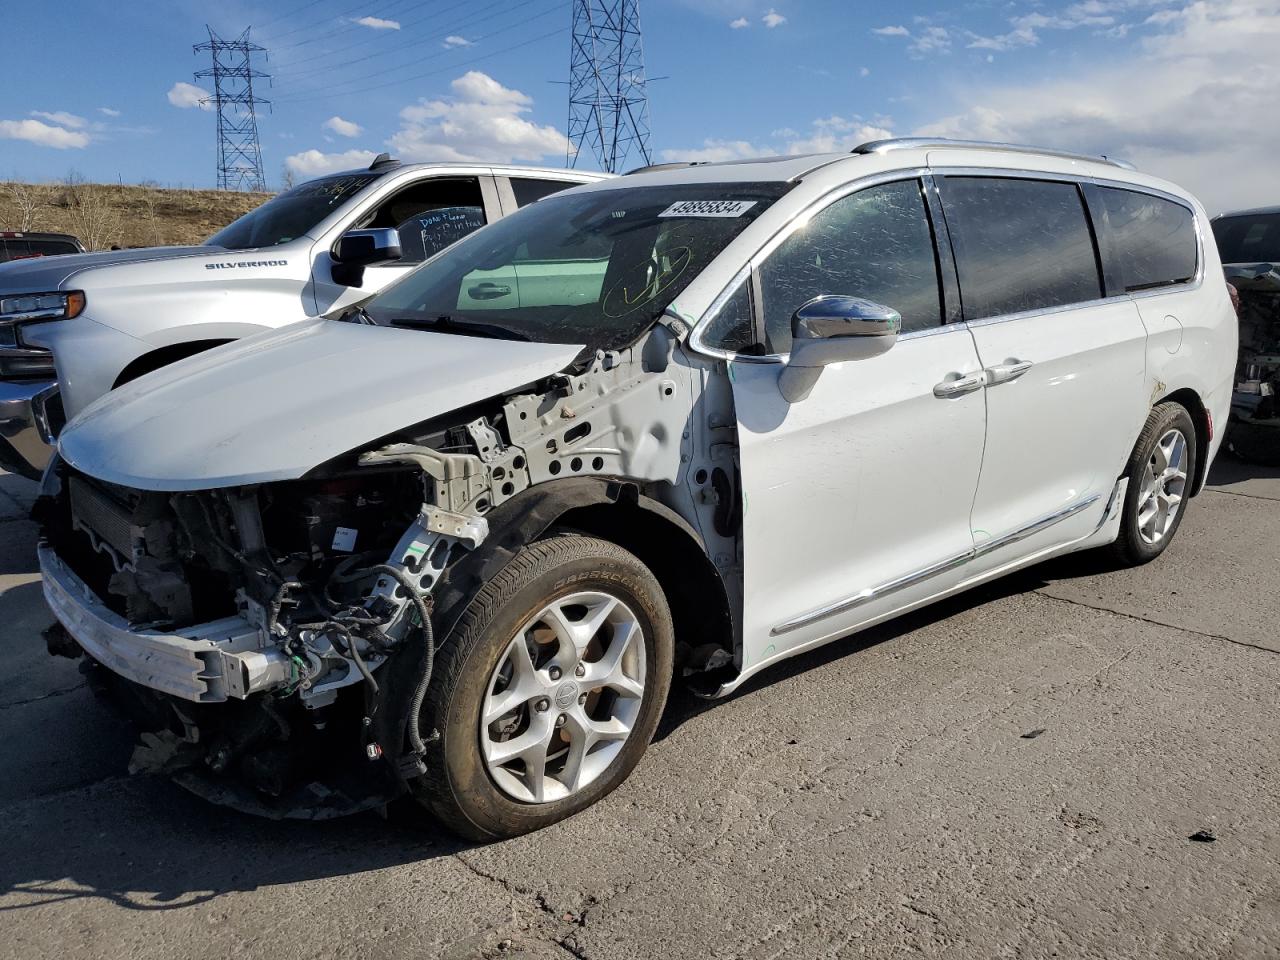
point(1229, 469)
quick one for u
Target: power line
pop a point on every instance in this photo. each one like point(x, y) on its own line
point(608, 102)
point(239, 153)
point(330, 94)
point(345, 28)
point(555, 8)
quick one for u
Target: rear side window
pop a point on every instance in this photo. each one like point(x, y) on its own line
point(51, 248)
point(1020, 245)
point(527, 191)
point(1154, 239)
point(875, 244)
point(1248, 239)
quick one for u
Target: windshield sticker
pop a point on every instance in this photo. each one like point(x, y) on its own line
point(708, 208)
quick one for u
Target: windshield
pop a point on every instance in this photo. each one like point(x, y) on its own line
point(594, 267)
point(290, 214)
point(1251, 239)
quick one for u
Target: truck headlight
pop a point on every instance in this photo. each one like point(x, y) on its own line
point(42, 306)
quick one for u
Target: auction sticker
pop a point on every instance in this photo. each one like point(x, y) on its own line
point(708, 208)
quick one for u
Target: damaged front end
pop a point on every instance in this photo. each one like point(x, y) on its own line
point(1254, 431)
point(243, 627)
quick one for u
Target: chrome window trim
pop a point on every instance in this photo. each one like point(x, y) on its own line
point(950, 563)
point(697, 343)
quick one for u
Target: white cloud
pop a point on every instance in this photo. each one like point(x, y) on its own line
point(453, 40)
point(187, 95)
point(43, 134)
point(1183, 105)
point(739, 24)
point(61, 118)
point(343, 128)
point(773, 19)
point(864, 72)
point(826, 135)
point(313, 163)
point(924, 40)
point(377, 23)
point(481, 121)
point(109, 112)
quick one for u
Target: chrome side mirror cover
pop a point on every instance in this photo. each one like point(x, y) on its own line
point(356, 249)
point(831, 329)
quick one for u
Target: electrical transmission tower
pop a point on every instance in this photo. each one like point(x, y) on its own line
point(608, 106)
point(239, 154)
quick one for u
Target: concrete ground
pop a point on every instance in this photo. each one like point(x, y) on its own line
point(1014, 773)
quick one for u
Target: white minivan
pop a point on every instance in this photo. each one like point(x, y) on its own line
point(682, 424)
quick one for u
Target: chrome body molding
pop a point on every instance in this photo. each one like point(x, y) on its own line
point(950, 563)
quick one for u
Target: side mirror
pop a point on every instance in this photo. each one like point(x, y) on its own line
point(832, 329)
point(356, 249)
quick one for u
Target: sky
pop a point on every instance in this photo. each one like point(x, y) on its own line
point(1183, 89)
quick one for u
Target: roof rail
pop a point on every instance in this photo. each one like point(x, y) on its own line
point(917, 143)
point(655, 167)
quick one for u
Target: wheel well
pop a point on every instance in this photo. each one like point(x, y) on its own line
point(694, 590)
point(163, 357)
point(1189, 399)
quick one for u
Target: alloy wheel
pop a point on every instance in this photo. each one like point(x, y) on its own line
point(1164, 485)
point(564, 697)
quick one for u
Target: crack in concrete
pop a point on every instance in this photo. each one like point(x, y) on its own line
point(1157, 623)
point(44, 696)
point(566, 942)
point(1233, 493)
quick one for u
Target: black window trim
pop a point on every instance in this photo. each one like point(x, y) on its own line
point(934, 174)
point(1113, 270)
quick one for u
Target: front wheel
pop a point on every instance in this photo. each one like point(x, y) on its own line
point(549, 689)
point(1161, 471)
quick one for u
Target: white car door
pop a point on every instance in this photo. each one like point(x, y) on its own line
point(856, 499)
point(1064, 364)
point(429, 214)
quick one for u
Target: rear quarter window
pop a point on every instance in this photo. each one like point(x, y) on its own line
point(1020, 245)
point(1153, 239)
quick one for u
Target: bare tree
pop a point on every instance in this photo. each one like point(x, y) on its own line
point(27, 201)
point(286, 178)
point(96, 219)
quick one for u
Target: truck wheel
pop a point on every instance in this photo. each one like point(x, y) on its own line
point(548, 690)
point(1161, 470)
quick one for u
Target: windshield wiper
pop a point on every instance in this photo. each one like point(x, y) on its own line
point(467, 328)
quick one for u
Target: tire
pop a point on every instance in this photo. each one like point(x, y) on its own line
point(462, 785)
point(1135, 545)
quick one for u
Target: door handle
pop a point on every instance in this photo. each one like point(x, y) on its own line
point(960, 386)
point(488, 291)
point(1004, 372)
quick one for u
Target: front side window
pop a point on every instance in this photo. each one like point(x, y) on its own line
point(430, 215)
point(595, 268)
point(291, 214)
point(875, 244)
point(1020, 245)
point(1154, 239)
point(1251, 238)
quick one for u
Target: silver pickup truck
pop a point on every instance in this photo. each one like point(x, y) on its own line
point(74, 327)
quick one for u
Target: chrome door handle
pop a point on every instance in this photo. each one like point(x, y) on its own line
point(960, 386)
point(1004, 372)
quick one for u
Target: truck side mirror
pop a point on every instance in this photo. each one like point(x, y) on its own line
point(356, 249)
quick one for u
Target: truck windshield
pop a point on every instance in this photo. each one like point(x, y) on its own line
point(1253, 238)
point(290, 214)
point(594, 267)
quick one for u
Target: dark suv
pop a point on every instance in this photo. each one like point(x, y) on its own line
point(1249, 243)
point(21, 246)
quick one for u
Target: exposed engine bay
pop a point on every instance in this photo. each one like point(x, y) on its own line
point(1255, 407)
point(275, 640)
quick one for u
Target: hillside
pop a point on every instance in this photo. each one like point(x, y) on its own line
point(103, 215)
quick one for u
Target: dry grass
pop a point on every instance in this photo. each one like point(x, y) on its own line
point(106, 215)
